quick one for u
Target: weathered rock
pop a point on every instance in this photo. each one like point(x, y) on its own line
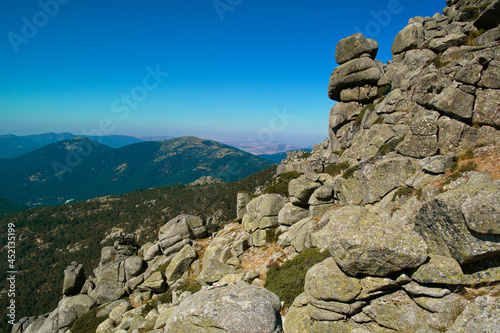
point(259, 238)
point(266, 205)
point(437, 164)
point(439, 269)
point(415, 289)
point(398, 312)
point(353, 47)
point(291, 214)
point(242, 201)
point(133, 267)
point(444, 43)
point(355, 72)
point(74, 278)
point(155, 283)
point(418, 146)
point(442, 223)
point(185, 226)
point(409, 38)
point(488, 19)
point(349, 191)
point(325, 281)
point(490, 78)
point(350, 233)
point(300, 190)
point(384, 176)
point(180, 263)
point(455, 102)
point(214, 270)
point(482, 212)
point(341, 113)
point(71, 308)
point(237, 308)
point(481, 316)
point(487, 107)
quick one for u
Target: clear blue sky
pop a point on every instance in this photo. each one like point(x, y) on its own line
point(231, 64)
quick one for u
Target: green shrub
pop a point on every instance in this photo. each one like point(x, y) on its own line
point(88, 322)
point(454, 166)
point(287, 281)
point(165, 298)
point(436, 61)
point(379, 120)
point(389, 146)
point(359, 118)
point(289, 175)
point(162, 267)
point(350, 172)
point(336, 169)
point(281, 185)
point(190, 284)
point(470, 166)
point(468, 155)
point(384, 90)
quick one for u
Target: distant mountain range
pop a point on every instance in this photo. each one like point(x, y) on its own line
point(14, 146)
point(257, 147)
point(82, 168)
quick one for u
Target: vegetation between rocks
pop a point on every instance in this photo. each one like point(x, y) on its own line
point(281, 185)
point(287, 280)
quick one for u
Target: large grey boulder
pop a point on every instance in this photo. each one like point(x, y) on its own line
point(214, 270)
point(74, 278)
point(353, 47)
point(444, 43)
point(325, 281)
point(483, 315)
point(384, 176)
point(134, 266)
point(341, 113)
point(291, 214)
point(486, 109)
point(262, 212)
point(454, 101)
point(180, 263)
point(301, 189)
point(398, 312)
point(462, 223)
point(186, 226)
point(237, 308)
point(350, 235)
point(155, 283)
point(71, 308)
point(242, 200)
point(411, 37)
point(355, 72)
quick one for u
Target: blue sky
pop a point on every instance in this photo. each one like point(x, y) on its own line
point(236, 68)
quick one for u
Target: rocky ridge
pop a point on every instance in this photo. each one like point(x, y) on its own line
point(403, 197)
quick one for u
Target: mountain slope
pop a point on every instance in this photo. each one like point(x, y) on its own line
point(10, 207)
point(50, 238)
point(13, 146)
point(81, 168)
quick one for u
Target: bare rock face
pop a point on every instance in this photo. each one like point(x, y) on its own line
point(349, 235)
point(74, 279)
point(239, 308)
point(463, 222)
point(355, 46)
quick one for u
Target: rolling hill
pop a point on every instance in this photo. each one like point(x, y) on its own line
point(82, 168)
